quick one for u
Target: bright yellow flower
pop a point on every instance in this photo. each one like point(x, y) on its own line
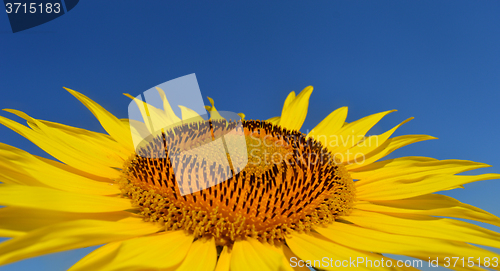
point(322, 199)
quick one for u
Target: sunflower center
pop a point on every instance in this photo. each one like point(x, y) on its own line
point(269, 184)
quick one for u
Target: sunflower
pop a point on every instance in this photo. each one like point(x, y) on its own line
point(286, 200)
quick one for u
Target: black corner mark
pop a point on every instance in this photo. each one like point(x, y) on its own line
point(70, 4)
point(27, 14)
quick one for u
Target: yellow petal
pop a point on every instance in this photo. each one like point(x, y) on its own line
point(281, 248)
point(47, 174)
point(10, 173)
point(319, 252)
point(329, 126)
point(62, 147)
point(375, 168)
point(10, 233)
point(249, 255)
point(294, 110)
point(98, 258)
point(139, 131)
point(69, 235)
point(432, 204)
point(158, 251)
point(189, 115)
point(405, 166)
point(289, 99)
point(350, 134)
point(425, 226)
point(155, 119)
point(418, 247)
point(76, 171)
point(274, 120)
point(167, 109)
point(214, 114)
point(224, 261)
point(104, 141)
point(289, 254)
point(409, 168)
point(109, 122)
point(406, 188)
point(372, 143)
point(23, 220)
point(56, 200)
point(389, 146)
point(202, 256)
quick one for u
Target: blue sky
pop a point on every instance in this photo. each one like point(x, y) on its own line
point(437, 61)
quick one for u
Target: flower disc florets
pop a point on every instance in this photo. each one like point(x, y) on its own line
point(289, 183)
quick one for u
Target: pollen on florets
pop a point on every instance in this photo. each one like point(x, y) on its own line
point(290, 183)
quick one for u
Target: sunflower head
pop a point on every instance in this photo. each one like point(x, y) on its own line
point(288, 182)
point(235, 195)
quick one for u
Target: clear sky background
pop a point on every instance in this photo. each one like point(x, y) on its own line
point(438, 61)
